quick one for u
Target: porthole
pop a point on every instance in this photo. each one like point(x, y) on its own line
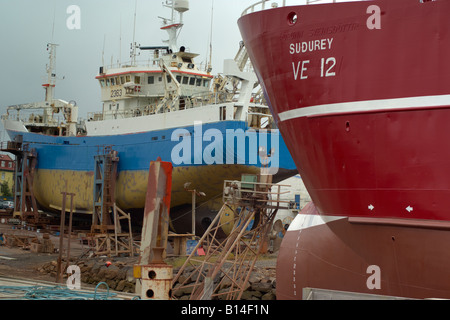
point(292, 18)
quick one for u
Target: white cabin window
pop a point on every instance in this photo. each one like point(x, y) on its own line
point(128, 78)
point(102, 83)
point(107, 82)
point(192, 81)
point(199, 82)
point(137, 79)
point(112, 82)
point(179, 79)
point(151, 80)
point(122, 79)
point(185, 80)
point(206, 83)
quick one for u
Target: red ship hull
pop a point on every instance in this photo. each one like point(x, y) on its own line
point(411, 256)
point(360, 94)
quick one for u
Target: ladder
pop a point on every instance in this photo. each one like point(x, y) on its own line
point(241, 57)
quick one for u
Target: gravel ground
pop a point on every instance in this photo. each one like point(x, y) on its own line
point(20, 263)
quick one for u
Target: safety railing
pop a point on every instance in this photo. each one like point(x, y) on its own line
point(262, 5)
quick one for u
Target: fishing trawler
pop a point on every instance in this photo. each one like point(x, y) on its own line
point(210, 128)
point(359, 92)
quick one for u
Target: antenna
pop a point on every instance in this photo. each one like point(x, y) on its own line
point(133, 44)
point(210, 39)
point(134, 26)
point(103, 52)
point(54, 17)
point(120, 42)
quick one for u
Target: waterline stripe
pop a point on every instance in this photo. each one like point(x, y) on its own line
point(365, 106)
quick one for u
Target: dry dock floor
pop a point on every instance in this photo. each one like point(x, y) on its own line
point(19, 266)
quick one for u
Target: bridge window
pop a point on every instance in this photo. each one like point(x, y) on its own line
point(151, 80)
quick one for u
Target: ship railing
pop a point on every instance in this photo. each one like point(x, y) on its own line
point(194, 101)
point(262, 5)
point(148, 63)
point(31, 117)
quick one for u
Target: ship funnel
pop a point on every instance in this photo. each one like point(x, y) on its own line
point(181, 5)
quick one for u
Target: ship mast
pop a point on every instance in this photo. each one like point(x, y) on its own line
point(51, 76)
point(171, 25)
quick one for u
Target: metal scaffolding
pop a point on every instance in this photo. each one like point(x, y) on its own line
point(106, 229)
point(25, 163)
point(246, 216)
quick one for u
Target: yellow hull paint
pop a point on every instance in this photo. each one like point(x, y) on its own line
point(131, 186)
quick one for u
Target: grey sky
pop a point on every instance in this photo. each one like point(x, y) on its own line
point(27, 27)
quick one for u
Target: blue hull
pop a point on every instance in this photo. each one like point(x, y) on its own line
point(198, 156)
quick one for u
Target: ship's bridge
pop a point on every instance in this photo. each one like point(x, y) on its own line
point(134, 85)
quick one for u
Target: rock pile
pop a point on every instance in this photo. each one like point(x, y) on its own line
point(261, 285)
point(119, 276)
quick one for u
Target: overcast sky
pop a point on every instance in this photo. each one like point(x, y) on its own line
point(28, 25)
point(105, 26)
